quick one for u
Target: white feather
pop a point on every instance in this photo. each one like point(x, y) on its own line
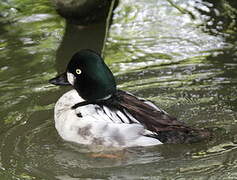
point(98, 125)
point(71, 78)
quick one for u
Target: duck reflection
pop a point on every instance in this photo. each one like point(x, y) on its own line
point(86, 26)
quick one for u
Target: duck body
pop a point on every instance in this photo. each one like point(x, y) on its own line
point(95, 112)
point(98, 124)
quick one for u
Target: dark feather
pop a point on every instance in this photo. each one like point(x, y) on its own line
point(165, 127)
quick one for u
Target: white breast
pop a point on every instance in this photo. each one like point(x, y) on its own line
point(98, 125)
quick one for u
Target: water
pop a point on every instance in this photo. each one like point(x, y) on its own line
point(180, 55)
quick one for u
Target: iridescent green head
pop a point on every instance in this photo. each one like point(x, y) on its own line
point(89, 75)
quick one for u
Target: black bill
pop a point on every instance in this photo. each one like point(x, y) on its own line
point(60, 80)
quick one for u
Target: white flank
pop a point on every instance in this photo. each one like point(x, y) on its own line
point(93, 124)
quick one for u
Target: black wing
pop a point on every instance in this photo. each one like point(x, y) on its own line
point(167, 128)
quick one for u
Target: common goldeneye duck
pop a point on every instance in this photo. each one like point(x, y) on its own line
point(96, 112)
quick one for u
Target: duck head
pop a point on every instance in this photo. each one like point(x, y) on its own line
point(89, 75)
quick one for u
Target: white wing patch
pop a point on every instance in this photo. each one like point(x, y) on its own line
point(98, 125)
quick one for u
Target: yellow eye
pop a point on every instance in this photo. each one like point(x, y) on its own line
point(78, 71)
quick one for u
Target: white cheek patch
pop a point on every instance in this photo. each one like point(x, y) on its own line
point(71, 78)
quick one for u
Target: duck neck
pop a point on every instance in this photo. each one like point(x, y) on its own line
point(87, 102)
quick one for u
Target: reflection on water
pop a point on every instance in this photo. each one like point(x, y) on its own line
point(76, 38)
point(186, 64)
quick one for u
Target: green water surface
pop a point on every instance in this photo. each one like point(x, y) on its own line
point(182, 54)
